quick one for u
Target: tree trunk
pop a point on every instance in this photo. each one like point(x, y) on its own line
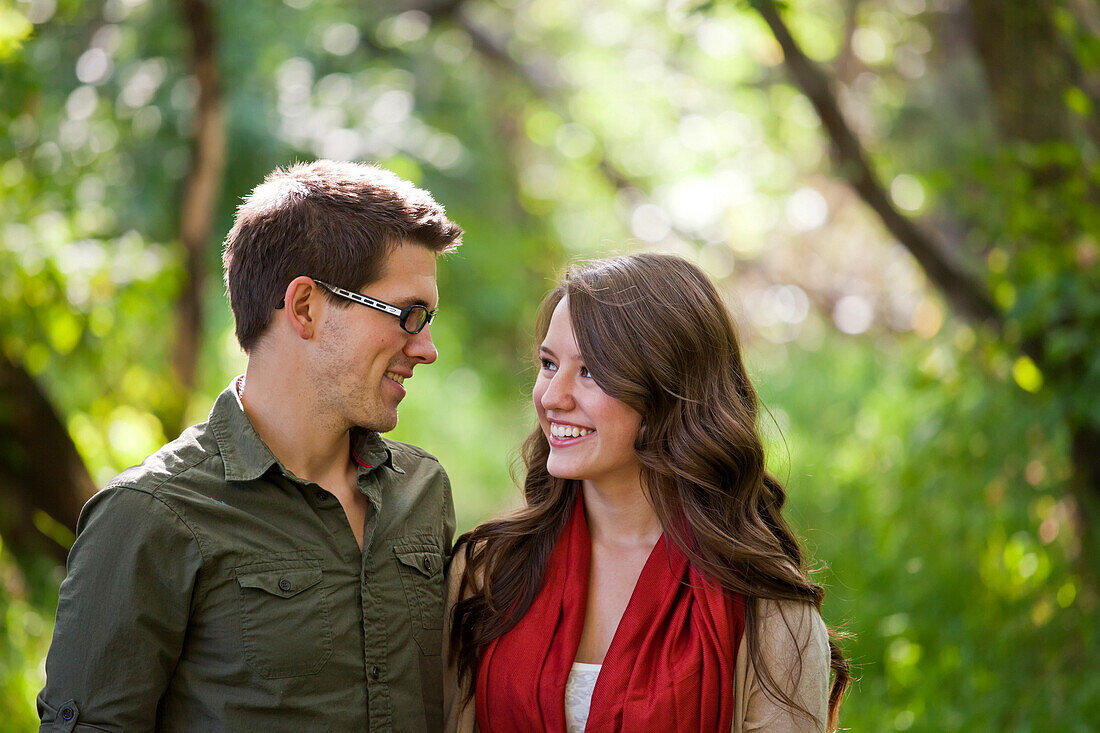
point(1085, 483)
point(1028, 71)
point(200, 195)
point(43, 480)
point(1025, 66)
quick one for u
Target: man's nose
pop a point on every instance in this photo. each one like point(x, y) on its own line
point(420, 347)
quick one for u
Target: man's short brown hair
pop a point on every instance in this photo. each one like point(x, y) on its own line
point(328, 220)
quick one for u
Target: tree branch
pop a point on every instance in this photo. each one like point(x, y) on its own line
point(965, 292)
point(541, 80)
point(962, 290)
point(846, 61)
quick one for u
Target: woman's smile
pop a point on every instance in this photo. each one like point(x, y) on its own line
point(566, 434)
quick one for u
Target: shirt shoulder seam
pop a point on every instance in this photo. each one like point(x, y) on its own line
point(155, 492)
point(155, 495)
point(138, 484)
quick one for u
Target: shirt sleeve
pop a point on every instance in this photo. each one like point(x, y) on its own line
point(794, 644)
point(448, 516)
point(121, 616)
point(459, 713)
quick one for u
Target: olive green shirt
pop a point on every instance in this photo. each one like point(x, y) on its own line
point(211, 590)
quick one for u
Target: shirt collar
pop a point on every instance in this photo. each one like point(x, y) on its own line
point(247, 457)
point(370, 451)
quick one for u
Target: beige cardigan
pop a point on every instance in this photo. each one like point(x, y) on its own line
point(788, 632)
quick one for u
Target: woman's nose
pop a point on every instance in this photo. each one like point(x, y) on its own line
point(558, 395)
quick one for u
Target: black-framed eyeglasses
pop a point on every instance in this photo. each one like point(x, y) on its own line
point(413, 318)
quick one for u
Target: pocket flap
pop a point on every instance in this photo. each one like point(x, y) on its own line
point(282, 583)
point(428, 563)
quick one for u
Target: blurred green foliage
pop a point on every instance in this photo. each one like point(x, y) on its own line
point(932, 493)
point(926, 460)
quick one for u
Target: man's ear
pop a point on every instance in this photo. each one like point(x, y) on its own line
point(301, 306)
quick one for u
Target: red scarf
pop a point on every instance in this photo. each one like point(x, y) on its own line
point(669, 667)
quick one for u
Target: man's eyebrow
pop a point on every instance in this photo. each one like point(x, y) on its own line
point(406, 302)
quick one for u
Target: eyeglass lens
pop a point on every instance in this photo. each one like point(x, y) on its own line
point(415, 319)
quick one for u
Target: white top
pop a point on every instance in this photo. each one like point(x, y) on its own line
point(578, 695)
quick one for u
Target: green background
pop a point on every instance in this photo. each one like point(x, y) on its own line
point(938, 463)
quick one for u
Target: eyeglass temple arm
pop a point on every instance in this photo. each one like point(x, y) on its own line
point(364, 299)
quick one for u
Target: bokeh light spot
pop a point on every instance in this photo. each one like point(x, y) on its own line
point(853, 314)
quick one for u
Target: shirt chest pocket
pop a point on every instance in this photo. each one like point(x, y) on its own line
point(285, 628)
point(421, 571)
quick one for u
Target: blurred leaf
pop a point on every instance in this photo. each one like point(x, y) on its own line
point(14, 30)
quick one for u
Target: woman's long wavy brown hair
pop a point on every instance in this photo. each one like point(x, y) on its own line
point(655, 334)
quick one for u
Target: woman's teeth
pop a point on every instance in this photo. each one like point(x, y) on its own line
point(568, 431)
point(395, 377)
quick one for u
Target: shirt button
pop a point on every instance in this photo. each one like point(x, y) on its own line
point(428, 564)
point(67, 713)
point(375, 672)
point(284, 585)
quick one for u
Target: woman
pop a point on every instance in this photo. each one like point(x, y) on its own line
point(650, 583)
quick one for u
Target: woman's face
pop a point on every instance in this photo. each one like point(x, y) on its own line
point(591, 434)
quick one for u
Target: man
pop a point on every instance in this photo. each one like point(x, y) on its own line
point(279, 567)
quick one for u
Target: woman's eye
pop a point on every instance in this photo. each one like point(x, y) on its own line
point(547, 364)
point(585, 372)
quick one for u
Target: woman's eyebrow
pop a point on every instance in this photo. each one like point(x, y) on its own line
point(547, 351)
